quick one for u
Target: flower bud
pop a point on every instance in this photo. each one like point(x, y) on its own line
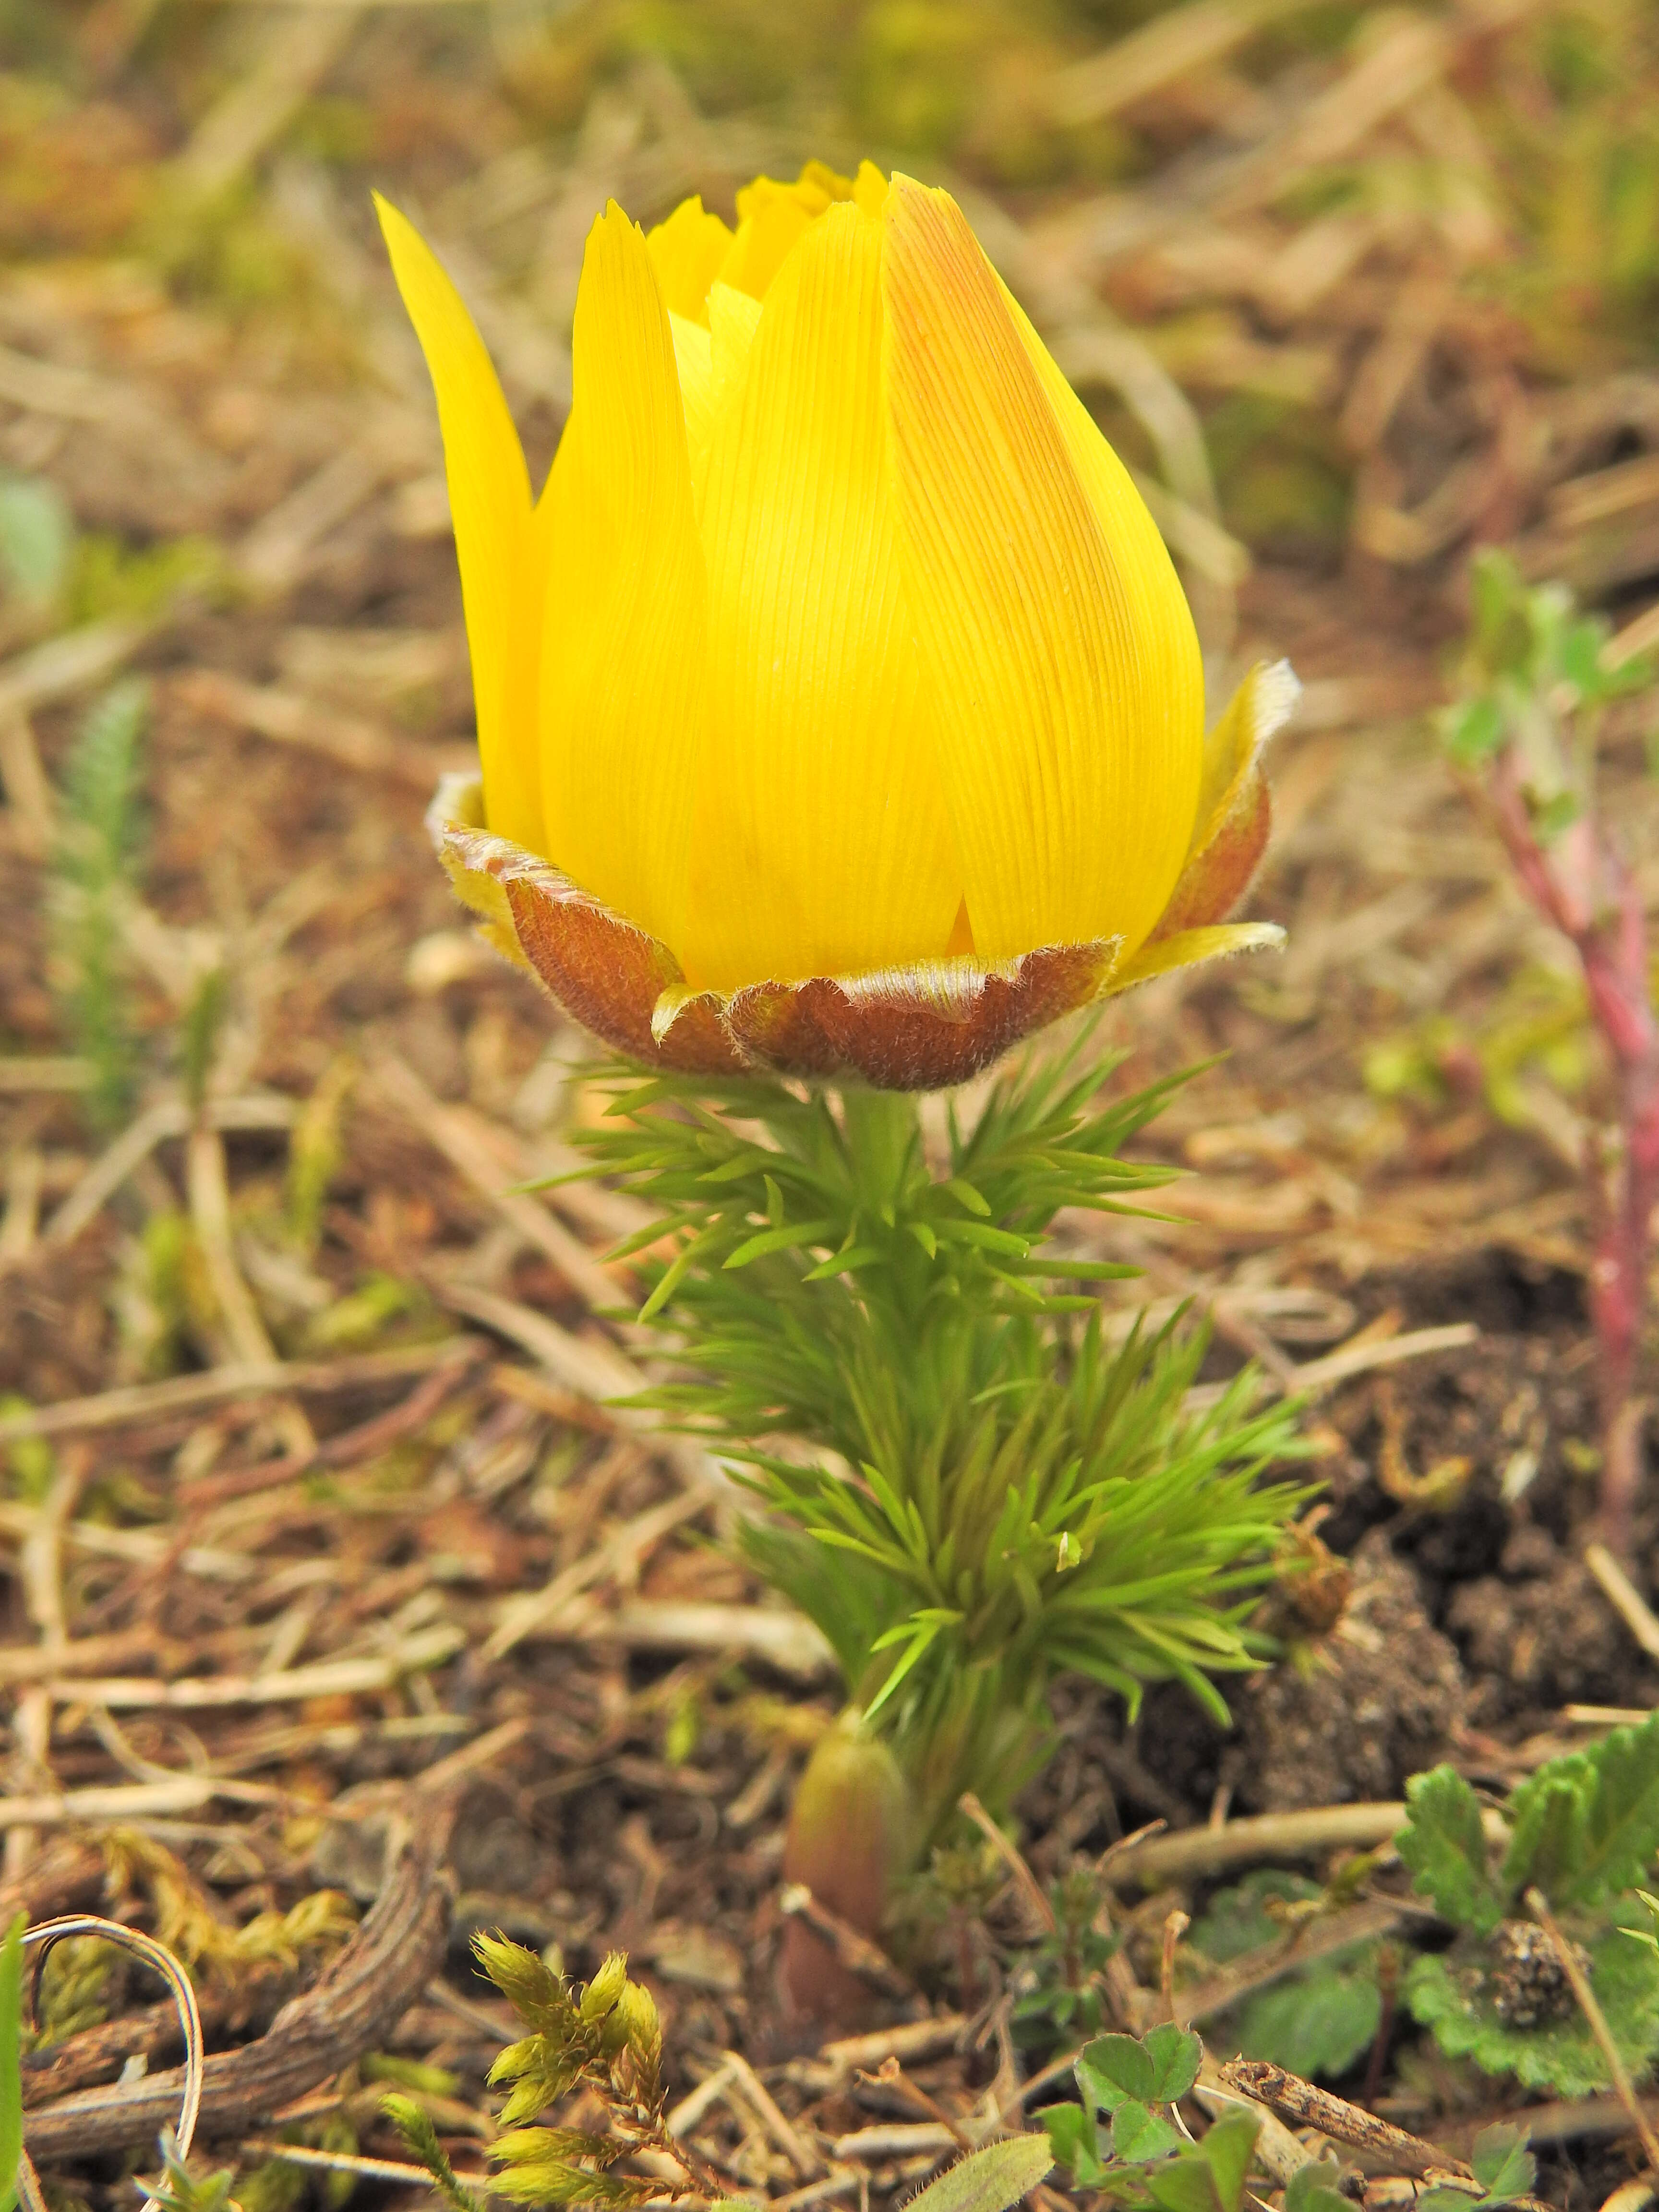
point(851, 1830)
point(838, 704)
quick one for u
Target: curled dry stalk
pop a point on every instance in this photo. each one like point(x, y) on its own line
point(1523, 738)
point(156, 1956)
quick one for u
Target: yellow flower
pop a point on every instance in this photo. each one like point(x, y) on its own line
point(838, 681)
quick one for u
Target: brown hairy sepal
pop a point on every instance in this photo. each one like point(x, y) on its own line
point(923, 1026)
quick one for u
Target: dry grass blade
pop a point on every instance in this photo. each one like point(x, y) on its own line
point(1180, 43)
point(1624, 1598)
point(161, 1962)
point(1590, 2005)
point(141, 1402)
point(1246, 1843)
point(1396, 2151)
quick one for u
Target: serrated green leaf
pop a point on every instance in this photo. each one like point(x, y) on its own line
point(1446, 1851)
point(1620, 1831)
point(991, 2180)
point(1472, 732)
point(1072, 2138)
point(1112, 2067)
point(1314, 2023)
point(1241, 1918)
point(1139, 2134)
point(1228, 2147)
point(1315, 2188)
point(1450, 1994)
point(1184, 2183)
point(1503, 2165)
point(1549, 1827)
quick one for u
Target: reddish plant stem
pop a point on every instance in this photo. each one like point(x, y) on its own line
point(1582, 885)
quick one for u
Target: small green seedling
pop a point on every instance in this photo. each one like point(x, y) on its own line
point(414, 2124)
point(180, 2190)
point(1058, 1989)
point(1144, 2159)
point(1317, 2187)
point(1504, 2166)
point(1583, 1830)
point(96, 875)
point(1537, 680)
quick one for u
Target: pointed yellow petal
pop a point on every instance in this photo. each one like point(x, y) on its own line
point(1071, 770)
point(1217, 940)
point(1172, 666)
point(489, 506)
point(734, 318)
point(762, 240)
point(816, 187)
point(694, 365)
point(870, 189)
point(711, 364)
point(772, 215)
point(623, 669)
point(822, 846)
point(686, 252)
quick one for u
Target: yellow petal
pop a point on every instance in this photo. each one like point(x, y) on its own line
point(694, 365)
point(711, 364)
point(686, 252)
point(771, 217)
point(622, 667)
point(870, 189)
point(1172, 665)
point(734, 318)
point(1070, 772)
point(822, 845)
point(816, 187)
point(762, 240)
point(489, 506)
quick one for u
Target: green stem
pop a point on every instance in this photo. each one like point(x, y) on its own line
point(883, 1132)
